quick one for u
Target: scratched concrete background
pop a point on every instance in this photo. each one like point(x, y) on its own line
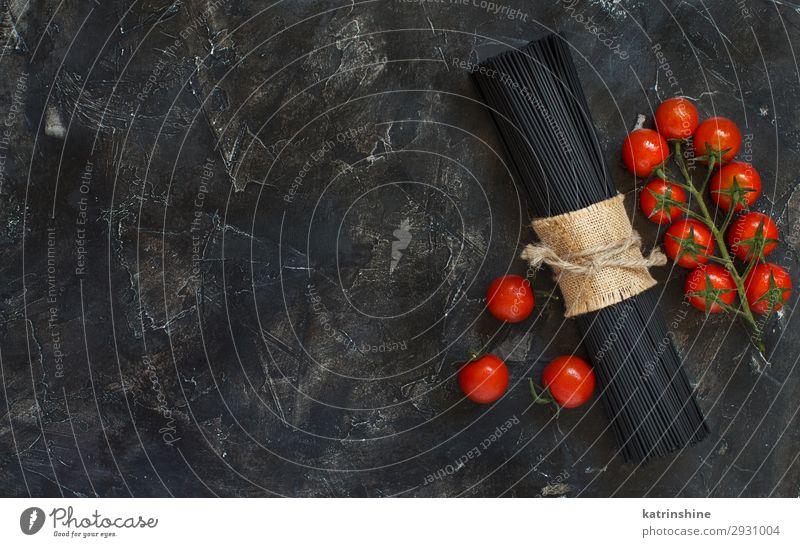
point(245, 247)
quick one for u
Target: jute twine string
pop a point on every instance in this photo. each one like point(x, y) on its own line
point(595, 254)
point(595, 258)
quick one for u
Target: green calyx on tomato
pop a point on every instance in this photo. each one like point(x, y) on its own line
point(737, 194)
point(689, 243)
point(719, 138)
point(752, 236)
point(732, 193)
point(774, 296)
point(767, 287)
point(710, 288)
point(695, 233)
point(715, 154)
point(662, 201)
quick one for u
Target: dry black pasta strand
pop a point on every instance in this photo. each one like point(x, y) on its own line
point(543, 117)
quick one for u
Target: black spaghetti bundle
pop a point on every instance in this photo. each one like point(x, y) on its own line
point(541, 111)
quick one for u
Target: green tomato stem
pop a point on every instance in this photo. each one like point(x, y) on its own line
point(725, 259)
point(691, 214)
point(542, 396)
point(711, 161)
point(728, 218)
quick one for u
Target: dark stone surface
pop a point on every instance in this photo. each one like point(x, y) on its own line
point(176, 322)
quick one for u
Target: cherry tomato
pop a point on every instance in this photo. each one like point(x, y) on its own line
point(719, 133)
point(689, 243)
point(655, 201)
point(484, 380)
point(570, 380)
point(707, 285)
point(644, 150)
point(766, 285)
point(735, 182)
point(676, 118)
point(752, 235)
point(510, 298)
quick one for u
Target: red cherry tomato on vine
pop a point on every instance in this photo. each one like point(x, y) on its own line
point(735, 182)
point(752, 235)
point(766, 285)
point(707, 285)
point(643, 150)
point(721, 135)
point(689, 243)
point(510, 298)
point(484, 380)
point(570, 380)
point(656, 198)
point(676, 118)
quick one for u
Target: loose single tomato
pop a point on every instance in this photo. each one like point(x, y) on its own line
point(720, 136)
point(484, 380)
point(660, 199)
point(708, 286)
point(643, 151)
point(570, 380)
point(752, 235)
point(676, 118)
point(510, 298)
point(689, 243)
point(737, 183)
point(766, 286)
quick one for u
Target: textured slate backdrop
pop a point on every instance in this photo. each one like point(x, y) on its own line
point(198, 207)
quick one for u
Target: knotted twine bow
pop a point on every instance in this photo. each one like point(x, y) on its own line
point(595, 258)
point(596, 255)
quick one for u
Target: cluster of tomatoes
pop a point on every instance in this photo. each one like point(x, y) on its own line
point(569, 379)
point(733, 187)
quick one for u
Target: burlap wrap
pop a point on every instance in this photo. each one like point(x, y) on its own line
point(597, 242)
